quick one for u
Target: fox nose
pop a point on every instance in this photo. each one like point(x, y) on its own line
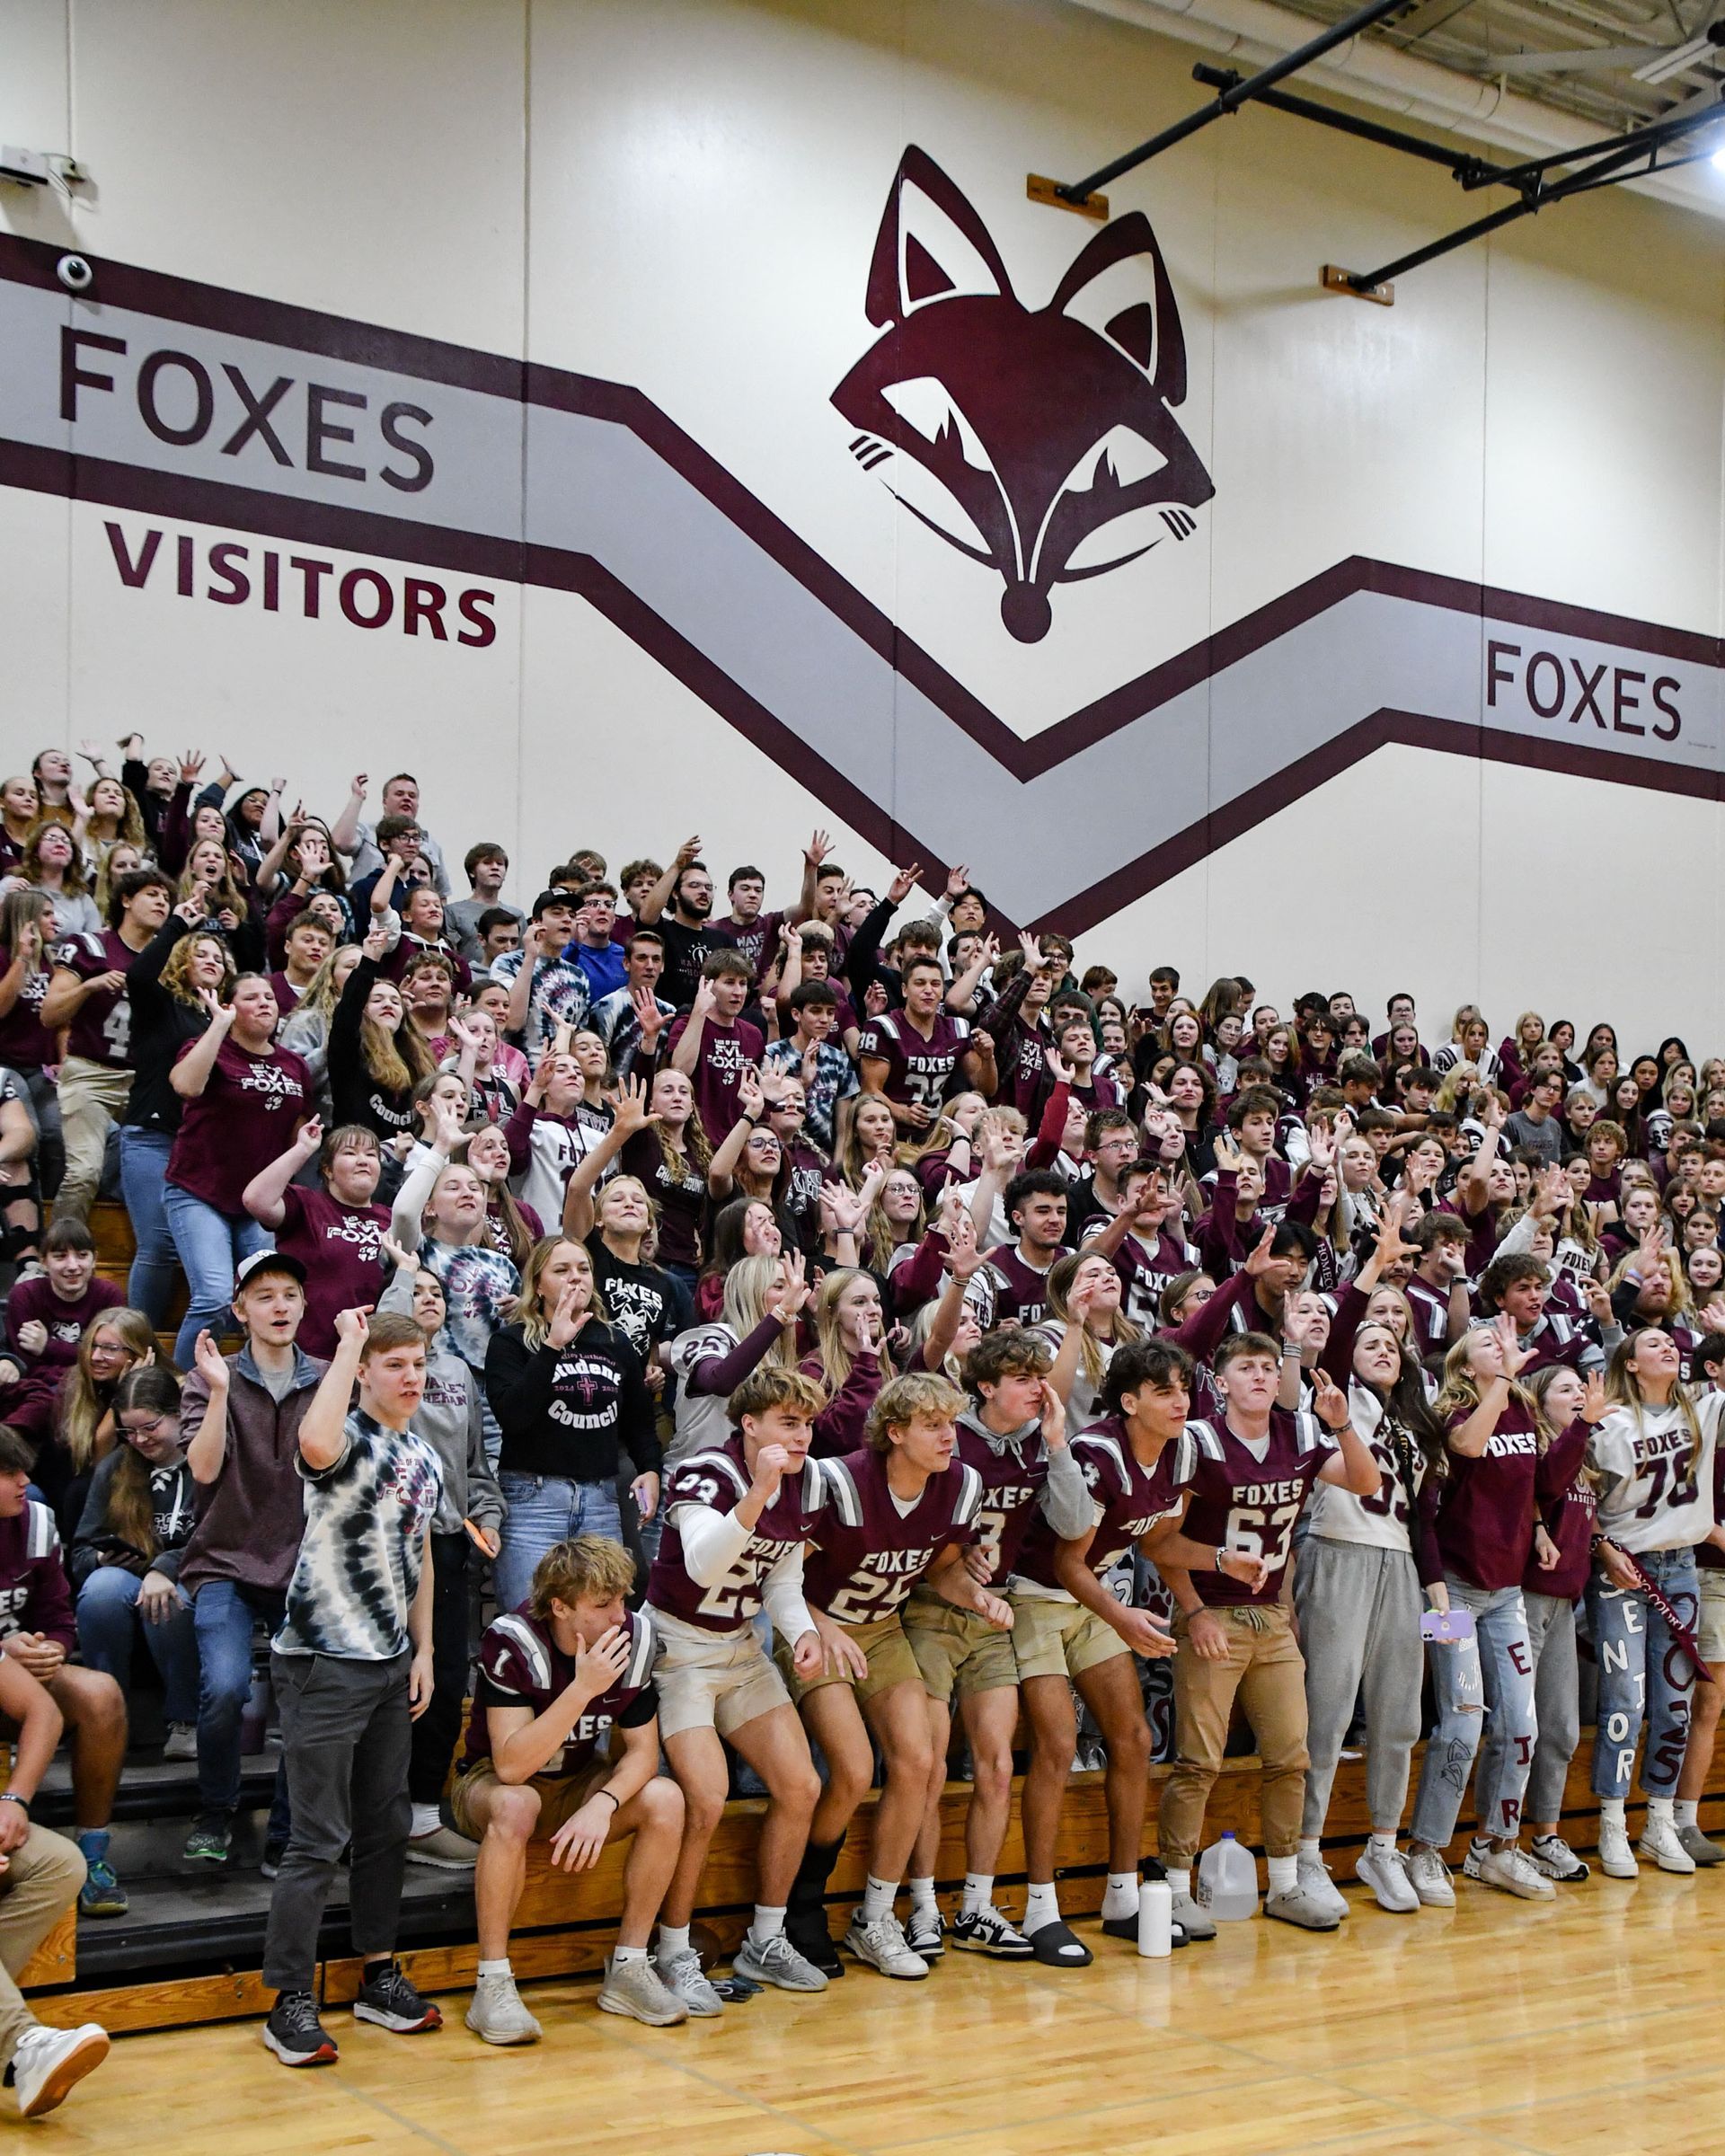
point(1026, 613)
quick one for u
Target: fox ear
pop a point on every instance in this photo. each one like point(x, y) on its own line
point(931, 244)
point(1146, 330)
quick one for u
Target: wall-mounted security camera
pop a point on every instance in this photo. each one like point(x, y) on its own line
point(75, 273)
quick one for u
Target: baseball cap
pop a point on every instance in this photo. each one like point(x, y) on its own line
point(268, 1261)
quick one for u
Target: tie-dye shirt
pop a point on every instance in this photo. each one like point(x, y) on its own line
point(359, 1569)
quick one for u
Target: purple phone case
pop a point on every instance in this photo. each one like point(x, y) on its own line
point(1448, 1627)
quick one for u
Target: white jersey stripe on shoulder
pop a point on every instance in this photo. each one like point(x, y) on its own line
point(969, 1496)
point(1205, 1440)
point(1101, 1442)
point(40, 1537)
point(841, 1490)
point(528, 1645)
point(644, 1647)
point(716, 1463)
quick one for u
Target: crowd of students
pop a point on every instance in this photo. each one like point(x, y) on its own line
point(816, 1338)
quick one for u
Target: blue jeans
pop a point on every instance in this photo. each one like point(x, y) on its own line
point(1643, 1674)
point(210, 1245)
point(545, 1510)
point(224, 1615)
point(1499, 1664)
point(108, 1626)
point(142, 1165)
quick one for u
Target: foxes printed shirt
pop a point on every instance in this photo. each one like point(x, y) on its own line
point(359, 1569)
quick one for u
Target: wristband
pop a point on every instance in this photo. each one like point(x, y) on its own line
point(1221, 1552)
point(1290, 1347)
point(11, 1796)
point(617, 1802)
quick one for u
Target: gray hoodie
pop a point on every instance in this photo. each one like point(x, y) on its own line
point(449, 1421)
point(1064, 1498)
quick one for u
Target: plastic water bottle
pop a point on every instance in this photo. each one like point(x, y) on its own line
point(1155, 1919)
point(1227, 1881)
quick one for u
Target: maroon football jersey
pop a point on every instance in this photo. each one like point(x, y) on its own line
point(101, 1027)
point(1146, 1268)
point(521, 1665)
point(918, 1071)
point(26, 1043)
point(1127, 1498)
point(1431, 1308)
point(867, 1553)
point(1011, 1482)
point(1244, 1503)
point(1020, 1294)
point(720, 1478)
point(1485, 1506)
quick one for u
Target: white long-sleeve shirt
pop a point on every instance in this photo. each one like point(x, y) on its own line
point(713, 1541)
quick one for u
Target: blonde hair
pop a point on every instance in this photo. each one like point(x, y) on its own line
point(587, 1567)
point(1624, 1388)
point(836, 1361)
point(82, 1409)
point(1676, 1280)
point(744, 1305)
point(918, 1393)
point(1061, 1273)
point(176, 971)
point(1459, 1394)
point(530, 1308)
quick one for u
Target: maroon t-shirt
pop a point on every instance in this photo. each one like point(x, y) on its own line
point(340, 1247)
point(521, 1665)
point(719, 1478)
point(101, 1027)
point(1129, 1498)
point(1569, 1512)
point(1245, 1503)
point(34, 1299)
point(917, 1070)
point(726, 1051)
point(1486, 1507)
point(757, 941)
point(244, 1118)
point(26, 1043)
point(867, 1554)
point(680, 1190)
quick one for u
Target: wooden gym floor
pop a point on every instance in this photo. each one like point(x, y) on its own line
point(1589, 2029)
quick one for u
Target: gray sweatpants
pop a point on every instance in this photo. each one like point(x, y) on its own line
point(1557, 1708)
point(1360, 1609)
point(347, 1736)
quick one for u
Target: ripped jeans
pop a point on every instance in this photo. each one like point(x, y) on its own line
point(1494, 1670)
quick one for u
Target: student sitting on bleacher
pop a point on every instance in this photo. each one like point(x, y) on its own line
point(125, 1557)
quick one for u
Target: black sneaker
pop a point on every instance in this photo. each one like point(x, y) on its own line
point(209, 1841)
point(389, 2000)
point(274, 1852)
point(295, 2034)
point(807, 1934)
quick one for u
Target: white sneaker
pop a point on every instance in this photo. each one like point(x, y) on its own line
point(1514, 1871)
point(776, 1961)
point(1387, 1877)
point(1616, 1858)
point(1431, 1881)
point(683, 1973)
point(883, 1946)
point(498, 2015)
point(1472, 1863)
point(1319, 1888)
point(181, 1741)
point(49, 2063)
point(636, 1988)
point(1557, 1859)
point(1660, 1845)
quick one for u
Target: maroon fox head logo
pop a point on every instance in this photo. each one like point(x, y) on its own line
point(1038, 441)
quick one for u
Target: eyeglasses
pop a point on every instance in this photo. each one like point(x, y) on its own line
point(148, 1428)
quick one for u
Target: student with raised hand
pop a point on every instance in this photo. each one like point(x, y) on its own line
point(335, 1229)
point(352, 1665)
point(440, 1212)
point(376, 1053)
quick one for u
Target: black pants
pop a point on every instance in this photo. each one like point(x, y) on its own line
point(437, 1729)
point(344, 1728)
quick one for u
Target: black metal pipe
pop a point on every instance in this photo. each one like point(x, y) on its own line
point(1447, 244)
point(1339, 33)
point(1345, 123)
point(1634, 139)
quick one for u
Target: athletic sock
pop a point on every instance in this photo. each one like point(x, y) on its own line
point(1178, 1882)
point(922, 1897)
point(979, 1892)
point(496, 1968)
point(1311, 1845)
point(1689, 1811)
point(1382, 1845)
point(1611, 1812)
point(1041, 1907)
point(1121, 1897)
point(1660, 1811)
point(878, 1898)
point(768, 1924)
point(1284, 1874)
point(673, 1939)
point(427, 1820)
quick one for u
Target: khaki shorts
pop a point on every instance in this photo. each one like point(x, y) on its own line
point(713, 1680)
point(560, 1796)
point(890, 1661)
point(1710, 1627)
point(957, 1651)
point(1055, 1639)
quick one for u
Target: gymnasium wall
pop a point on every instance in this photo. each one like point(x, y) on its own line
point(1399, 663)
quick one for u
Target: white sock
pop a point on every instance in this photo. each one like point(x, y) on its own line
point(1284, 1874)
point(1121, 1897)
point(1041, 1907)
point(878, 1898)
point(621, 1954)
point(673, 1939)
point(922, 1896)
point(1611, 1811)
point(768, 1924)
point(1382, 1845)
point(1660, 1811)
point(1178, 1882)
point(496, 1968)
point(427, 1820)
point(979, 1892)
point(1312, 1845)
point(1688, 1812)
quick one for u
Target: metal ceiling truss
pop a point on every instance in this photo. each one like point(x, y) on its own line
point(1657, 146)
